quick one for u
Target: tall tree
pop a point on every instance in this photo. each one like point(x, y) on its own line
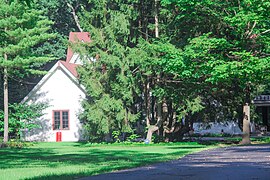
point(127, 70)
point(208, 57)
point(109, 82)
point(21, 28)
point(62, 13)
point(228, 46)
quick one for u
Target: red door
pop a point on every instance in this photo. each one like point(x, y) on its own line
point(58, 136)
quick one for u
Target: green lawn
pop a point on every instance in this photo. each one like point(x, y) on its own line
point(73, 160)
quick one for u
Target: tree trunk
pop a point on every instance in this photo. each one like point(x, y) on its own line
point(156, 19)
point(246, 124)
point(5, 103)
point(147, 102)
point(152, 129)
point(150, 132)
point(126, 118)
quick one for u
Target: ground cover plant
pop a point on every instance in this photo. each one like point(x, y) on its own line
point(254, 140)
point(74, 160)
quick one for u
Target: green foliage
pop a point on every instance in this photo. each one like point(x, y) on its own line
point(108, 80)
point(27, 2)
point(225, 51)
point(157, 138)
point(208, 54)
point(21, 117)
point(172, 62)
point(21, 29)
point(15, 143)
point(190, 80)
point(58, 12)
point(133, 137)
point(190, 107)
point(116, 136)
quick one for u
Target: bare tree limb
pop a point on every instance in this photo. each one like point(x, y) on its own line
point(156, 19)
point(264, 32)
point(135, 69)
point(76, 19)
point(239, 5)
point(251, 30)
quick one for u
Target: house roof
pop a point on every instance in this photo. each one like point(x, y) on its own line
point(61, 65)
point(76, 37)
point(71, 67)
point(262, 100)
point(66, 66)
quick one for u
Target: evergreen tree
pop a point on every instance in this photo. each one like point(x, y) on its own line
point(126, 82)
point(21, 28)
point(60, 13)
point(108, 80)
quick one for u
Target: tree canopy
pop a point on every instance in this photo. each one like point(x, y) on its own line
point(159, 66)
point(210, 59)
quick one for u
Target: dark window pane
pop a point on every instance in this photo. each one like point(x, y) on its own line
point(65, 119)
point(56, 120)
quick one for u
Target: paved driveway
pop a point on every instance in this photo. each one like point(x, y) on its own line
point(240, 163)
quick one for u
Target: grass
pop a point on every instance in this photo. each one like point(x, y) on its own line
point(74, 160)
point(254, 140)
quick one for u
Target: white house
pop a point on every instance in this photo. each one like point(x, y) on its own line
point(63, 94)
point(228, 127)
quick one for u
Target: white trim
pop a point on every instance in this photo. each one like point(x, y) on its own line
point(72, 77)
point(40, 83)
point(75, 59)
point(58, 65)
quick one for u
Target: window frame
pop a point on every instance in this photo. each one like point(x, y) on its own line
point(61, 119)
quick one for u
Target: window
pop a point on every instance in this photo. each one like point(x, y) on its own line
point(60, 119)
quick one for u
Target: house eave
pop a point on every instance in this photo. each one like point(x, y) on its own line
point(58, 65)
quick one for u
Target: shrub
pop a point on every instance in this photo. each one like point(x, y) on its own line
point(133, 138)
point(13, 143)
point(21, 116)
point(157, 139)
point(116, 136)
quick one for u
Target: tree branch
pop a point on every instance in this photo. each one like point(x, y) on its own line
point(251, 30)
point(264, 32)
point(135, 69)
point(76, 19)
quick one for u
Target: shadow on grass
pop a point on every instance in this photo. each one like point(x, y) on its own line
point(141, 161)
point(98, 160)
point(185, 147)
point(212, 167)
point(71, 176)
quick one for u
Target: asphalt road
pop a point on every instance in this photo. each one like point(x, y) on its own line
point(239, 163)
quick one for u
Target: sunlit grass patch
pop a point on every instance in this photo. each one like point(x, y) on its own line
point(73, 160)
